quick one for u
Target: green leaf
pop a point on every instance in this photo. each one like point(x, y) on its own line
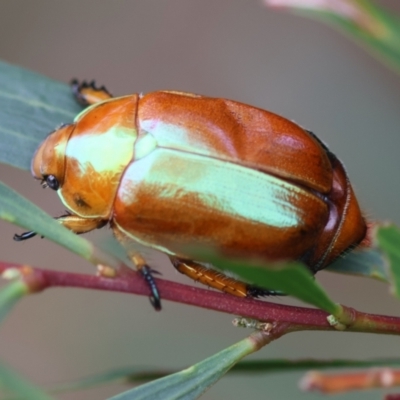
point(388, 239)
point(193, 381)
point(371, 26)
point(18, 386)
point(292, 278)
point(281, 365)
point(10, 294)
point(19, 211)
point(136, 374)
point(125, 375)
point(31, 106)
point(369, 263)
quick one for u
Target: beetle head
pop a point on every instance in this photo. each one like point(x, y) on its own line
point(48, 163)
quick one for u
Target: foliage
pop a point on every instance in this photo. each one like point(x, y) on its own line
point(32, 105)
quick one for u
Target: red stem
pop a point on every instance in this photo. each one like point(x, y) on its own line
point(128, 281)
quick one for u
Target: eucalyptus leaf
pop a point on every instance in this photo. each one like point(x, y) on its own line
point(135, 374)
point(292, 278)
point(31, 106)
point(282, 365)
point(126, 375)
point(193, 381)
point(370, 25)
point(18, 387)
point(388, 238)
point(368, 263)
point(19, 211)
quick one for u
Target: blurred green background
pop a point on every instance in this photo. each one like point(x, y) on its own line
point(239, 50)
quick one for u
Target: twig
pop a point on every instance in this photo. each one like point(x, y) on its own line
point(332, 384)
point(128, 281)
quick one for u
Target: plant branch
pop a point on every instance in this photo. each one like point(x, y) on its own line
point(340, 383)
point(129, 281)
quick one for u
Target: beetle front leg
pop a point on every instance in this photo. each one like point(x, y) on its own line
point(81, 225)
point(72, 222)
point(141, 266)
point(88, 94)
point(220, 281)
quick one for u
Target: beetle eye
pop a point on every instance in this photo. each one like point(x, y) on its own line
point(52, 182)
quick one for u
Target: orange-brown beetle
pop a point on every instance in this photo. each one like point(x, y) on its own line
point(169, 168)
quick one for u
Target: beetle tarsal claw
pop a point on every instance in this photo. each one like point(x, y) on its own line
point(256, 291)
point(154, 271)
point(24, 236)
point(155, 302)
point(88, 93)
point(155, 298)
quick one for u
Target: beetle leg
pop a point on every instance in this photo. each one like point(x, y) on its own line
point(24, 236)
point(210, 277)
point(72, 222)
point(220, 281)
point(141, 266)
point(88, 94)
point(80, 225)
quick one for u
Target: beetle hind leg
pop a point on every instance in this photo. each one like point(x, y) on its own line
point(88, 93)
point(218, 280)
point(147, 274)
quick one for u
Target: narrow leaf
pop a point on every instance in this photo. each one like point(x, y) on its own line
point(281, 365)
point(292, 278)
point(368, 263)
point(19, 211)
point(191, 382)
point(130, 375)
point(126, 375)
point(370, 25)
point(18, 386)
point(31, 106)
point(388, 239)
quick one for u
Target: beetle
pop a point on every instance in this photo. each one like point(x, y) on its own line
point(170, 168)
